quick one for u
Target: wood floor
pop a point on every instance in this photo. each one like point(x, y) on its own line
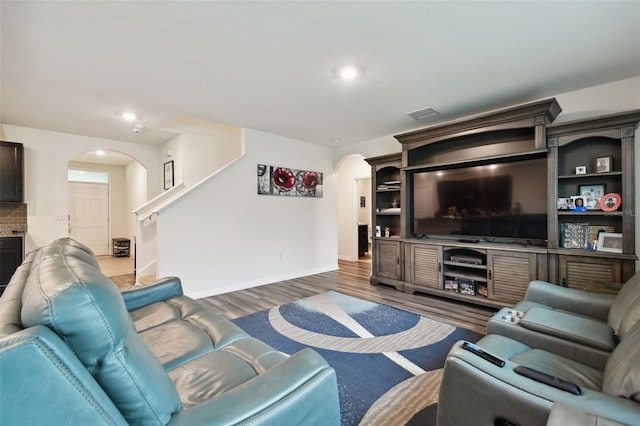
point(352, 279)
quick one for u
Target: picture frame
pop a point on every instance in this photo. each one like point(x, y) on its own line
point(610, 202)
point(581, 170)
point(378, 231)
point(610, 242)
point(168, 175)
point(603, 164)
point(565, 203)
point(592, 195)
point(578, 203)
point(363, 201)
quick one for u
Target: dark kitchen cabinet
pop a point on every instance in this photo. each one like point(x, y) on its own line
point(11, 172)
point(10, 259)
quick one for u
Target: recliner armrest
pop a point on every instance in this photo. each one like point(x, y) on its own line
point(594, 305)
point(162, 289)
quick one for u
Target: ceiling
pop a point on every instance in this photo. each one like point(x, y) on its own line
point(272, 66)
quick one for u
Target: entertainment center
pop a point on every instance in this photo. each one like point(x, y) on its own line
point(474, 209)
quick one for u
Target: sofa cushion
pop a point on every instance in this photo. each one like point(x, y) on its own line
point(71, 297)
point(217, 372)
point(570, 327)
point(622, 372)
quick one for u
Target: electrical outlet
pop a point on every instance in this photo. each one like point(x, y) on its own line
point(59, 217)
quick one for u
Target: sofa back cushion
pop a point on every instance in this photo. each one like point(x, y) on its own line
point(625, 310)
point(622, 372)
point(70, 296)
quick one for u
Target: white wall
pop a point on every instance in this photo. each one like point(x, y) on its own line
point(201, 148)
point(136, 194)
point(47, 156)
point(223, 236)
point(350, 169)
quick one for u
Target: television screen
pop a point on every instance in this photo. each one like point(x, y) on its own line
point(503, 200)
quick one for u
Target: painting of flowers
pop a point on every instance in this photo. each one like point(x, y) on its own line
point(274, 180)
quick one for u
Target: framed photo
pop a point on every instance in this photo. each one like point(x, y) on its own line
point(581, 170)
point(610, 241)
point(565, 203)
point(363, 201)
point(603, 164)
point(578, 203)
point(592, 195)
point(610, 202)
point(378, 231)
point(168, 175)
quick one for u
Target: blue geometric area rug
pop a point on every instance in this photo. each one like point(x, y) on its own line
point(388, 361)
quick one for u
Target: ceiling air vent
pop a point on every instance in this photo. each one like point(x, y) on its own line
point(423, 113)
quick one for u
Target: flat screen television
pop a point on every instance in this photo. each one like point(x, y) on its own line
point(502, 201)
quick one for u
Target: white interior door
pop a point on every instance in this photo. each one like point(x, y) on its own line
point(89, 215)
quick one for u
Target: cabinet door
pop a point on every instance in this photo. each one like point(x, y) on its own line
point(11, 172)
point(424, 265)
point(595, 274)
point(10, 259)
point(387, 259)
point(509, 274)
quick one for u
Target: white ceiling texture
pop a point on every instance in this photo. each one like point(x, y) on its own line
point(272, 66)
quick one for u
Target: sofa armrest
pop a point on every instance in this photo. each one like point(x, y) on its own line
point(299, 390)
point(594, 305)
point(44, 382)
point(162, 289)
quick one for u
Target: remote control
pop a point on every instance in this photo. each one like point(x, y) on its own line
point(481, 353)
point(548, 379)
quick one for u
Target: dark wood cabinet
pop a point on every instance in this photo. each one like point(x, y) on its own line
point(363, 240)
point(11, 172)
point(500, 268)
point(10, 258)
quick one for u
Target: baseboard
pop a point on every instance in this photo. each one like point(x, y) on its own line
point(258, 283)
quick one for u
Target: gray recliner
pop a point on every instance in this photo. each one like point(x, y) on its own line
point(475, 391)
point(578, 325)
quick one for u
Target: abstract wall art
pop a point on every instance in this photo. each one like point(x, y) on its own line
point(273, 180)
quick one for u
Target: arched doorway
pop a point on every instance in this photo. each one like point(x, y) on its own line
point(354, 205)
point(104, 188)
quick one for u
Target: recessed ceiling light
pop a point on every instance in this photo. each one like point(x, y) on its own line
point(99, 152)
point(349, 72)
point(129, 116)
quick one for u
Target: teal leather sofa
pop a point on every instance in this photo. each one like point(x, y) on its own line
point(75, 350)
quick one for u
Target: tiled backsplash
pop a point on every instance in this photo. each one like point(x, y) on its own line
point(13, 219)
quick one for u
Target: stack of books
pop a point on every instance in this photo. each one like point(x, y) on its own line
point(390, 184)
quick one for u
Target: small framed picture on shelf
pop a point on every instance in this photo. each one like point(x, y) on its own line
point(565, 203)
point(610, 202)
point(578, 204)
point(603, 164)
point(592, 195)
point(610, 241)
point(378, 231)
point(581, 170)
